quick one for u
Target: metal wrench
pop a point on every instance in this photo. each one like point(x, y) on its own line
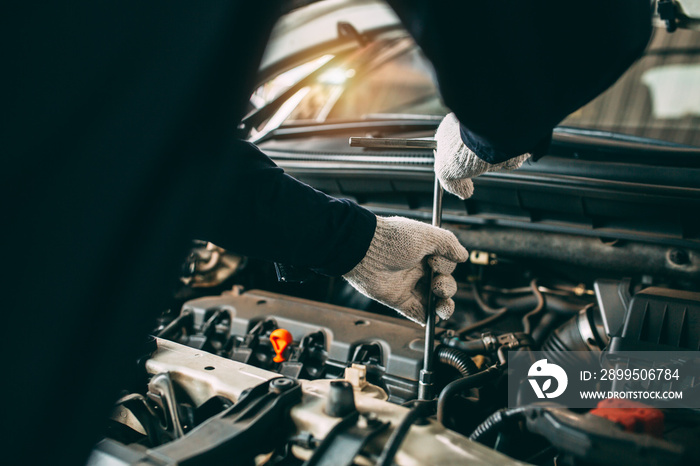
point(425, 381)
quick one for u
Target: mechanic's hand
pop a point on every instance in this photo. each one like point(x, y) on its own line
point(397, 267)
point(456, 165)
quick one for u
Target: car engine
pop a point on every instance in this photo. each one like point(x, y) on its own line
point(303, 370)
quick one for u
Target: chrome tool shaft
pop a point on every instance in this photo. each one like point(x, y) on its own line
point(425, 381)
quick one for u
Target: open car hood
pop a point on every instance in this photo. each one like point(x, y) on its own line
point(308, 28)
point(689, 13)
point(316, 25)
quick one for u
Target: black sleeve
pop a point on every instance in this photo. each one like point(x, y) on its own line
point(262, 212)
point(512, 70)
point(116, 152)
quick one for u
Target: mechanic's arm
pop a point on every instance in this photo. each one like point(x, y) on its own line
point(511, 71)
point(267, 214)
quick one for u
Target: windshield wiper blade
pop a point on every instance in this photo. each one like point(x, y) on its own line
point(354, 127)
point(401, 116)
point(612, 136)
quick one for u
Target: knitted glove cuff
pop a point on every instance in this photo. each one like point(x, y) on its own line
point(455, 161)
point(377, 256)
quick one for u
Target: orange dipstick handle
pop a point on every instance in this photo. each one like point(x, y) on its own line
point(280, 339)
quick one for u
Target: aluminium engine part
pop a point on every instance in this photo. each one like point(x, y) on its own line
point(202, 376)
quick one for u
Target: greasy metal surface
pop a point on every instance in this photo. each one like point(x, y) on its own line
point(429, 444)
point(189, 367)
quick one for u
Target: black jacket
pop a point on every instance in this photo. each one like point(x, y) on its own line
point(118, 146)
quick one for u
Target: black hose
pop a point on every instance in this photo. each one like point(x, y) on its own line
point(493, 424)
point(457, 359)
point(420, 410)
point(459, 386)
point(546, 325)
point(469, 347)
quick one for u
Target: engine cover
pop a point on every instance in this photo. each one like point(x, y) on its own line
point(396, 345)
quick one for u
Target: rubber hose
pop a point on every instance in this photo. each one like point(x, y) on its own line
point(546, 325)
point(494, 423)
point(457, 359)
point(561, 343)
point(459, 386)
point(467, 347)
point(392, 445)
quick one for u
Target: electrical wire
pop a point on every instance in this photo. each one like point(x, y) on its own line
point(527, 327)
point(482, 303)
point(420, 410)
point(461, 385)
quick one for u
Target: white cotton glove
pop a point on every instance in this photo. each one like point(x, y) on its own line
point(396, 268)
point(456, 165)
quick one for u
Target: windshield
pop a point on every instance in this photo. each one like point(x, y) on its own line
point(657, 98)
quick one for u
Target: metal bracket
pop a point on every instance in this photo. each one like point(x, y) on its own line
point(257, 423)
point(161, 392)
point(345, 441)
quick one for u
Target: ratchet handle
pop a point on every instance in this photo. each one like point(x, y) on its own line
point(394, 143)
point(425, 382)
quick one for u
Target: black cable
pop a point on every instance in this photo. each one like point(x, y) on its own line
point(493, 424)
point(527, 327)
point(459, 386)
point(420, 410)
point(469, 347)
point(457, 359)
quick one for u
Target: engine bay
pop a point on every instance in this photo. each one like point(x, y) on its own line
point(303, 370)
